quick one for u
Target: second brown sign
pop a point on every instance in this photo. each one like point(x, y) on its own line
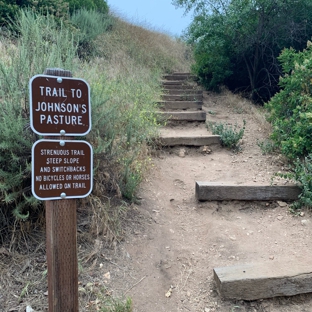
point(61, 169)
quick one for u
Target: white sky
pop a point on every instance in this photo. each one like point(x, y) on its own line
point(159, 15)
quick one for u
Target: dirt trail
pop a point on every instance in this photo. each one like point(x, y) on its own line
point(174, 242)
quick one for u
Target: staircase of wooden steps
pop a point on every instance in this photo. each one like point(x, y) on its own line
point(182, 101)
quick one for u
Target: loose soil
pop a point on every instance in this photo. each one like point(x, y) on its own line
point(173, 242)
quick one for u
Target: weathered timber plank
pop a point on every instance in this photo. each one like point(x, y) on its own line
point(267, 280)
point(186, 116)
point(190, 140)
point(182, 92)
point(167, 105)
point(182, 73)
point(172, 82)
point(192, 97)
point(219, 191)
point(179, 77)
point(178, 86)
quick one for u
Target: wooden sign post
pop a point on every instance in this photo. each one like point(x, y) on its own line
point(61, 107)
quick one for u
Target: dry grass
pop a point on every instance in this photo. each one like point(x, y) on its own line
point(240, 105)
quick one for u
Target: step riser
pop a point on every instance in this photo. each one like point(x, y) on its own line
point(182, 98)
point(178, 87)
point(181, 105)
point(179, 77)
point(190, 141)
point(219, 191)
point(182, 92)
point(184, 116)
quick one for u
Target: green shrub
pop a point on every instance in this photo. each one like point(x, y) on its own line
point(301, 172)
point(266, 146)
point(291, 109)
point(99, 6)
point(42, 43)
point(229, 135)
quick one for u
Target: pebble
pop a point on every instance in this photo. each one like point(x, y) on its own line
point(280, 218)
point(305, 222)
point(281, 204)
point(182, 152)
point(271, 257)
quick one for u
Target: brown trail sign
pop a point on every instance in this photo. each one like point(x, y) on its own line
point(59, 105)
point(61, 169)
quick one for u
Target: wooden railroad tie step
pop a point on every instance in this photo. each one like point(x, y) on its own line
point(178, 86)
point(192, 97)
point(183, 92)
point(168, 105)
point(185, 116)
point(179, 77)
point(194, 140)
point(267, 280)
point(219, 191)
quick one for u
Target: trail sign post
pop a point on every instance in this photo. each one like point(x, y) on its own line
point(59, 106)
point(61, 172)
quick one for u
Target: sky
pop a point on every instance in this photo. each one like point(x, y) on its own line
point(159, 15)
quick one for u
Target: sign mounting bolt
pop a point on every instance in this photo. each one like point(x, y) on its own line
point(63, 195)
point(59, 80)
point(62, 132)
point(62, 143)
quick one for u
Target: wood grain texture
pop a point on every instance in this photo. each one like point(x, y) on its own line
point(168, 105)
point(190, 140)
point(184, 97)
point(266, 280)
point(187, 116)
point(221, 191)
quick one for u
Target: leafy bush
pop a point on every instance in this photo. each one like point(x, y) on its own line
point(237, 42)
point(42, 44)
point(291, 109)
point(229, 136)
point(301, 172)
point(60, 9)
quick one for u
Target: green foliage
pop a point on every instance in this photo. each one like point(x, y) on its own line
point(302, 174)
point(99, 6)
point(291, 109)
point(42, 44)
point(116, 305)
point(60, 9)
point(266, 146)
point(237, 42)
point(229, 135)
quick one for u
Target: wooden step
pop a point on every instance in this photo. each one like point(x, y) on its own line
point(179, 86)
point(172, 82)
point(222, 191)
point(184, 116)
point(183, 92)
point(264, 280)
point(192, 97)
point(195, 140)
point(168, 105)
point(179, 77)
point(182, 73)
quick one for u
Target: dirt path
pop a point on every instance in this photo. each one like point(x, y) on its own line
point(174, 242)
